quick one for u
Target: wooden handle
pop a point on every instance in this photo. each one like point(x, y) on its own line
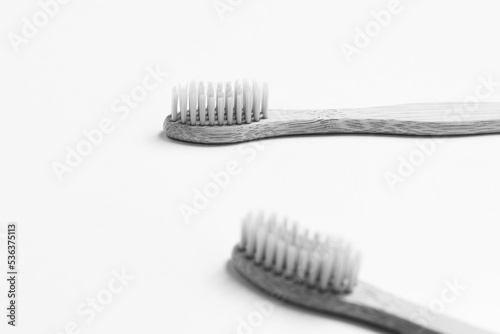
point(435, 119)
point(429, 119)
point(366, 303)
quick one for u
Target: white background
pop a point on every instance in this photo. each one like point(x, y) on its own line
point(119, 209)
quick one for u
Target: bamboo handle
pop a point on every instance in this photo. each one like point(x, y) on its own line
point(435, 119)
point(366, 304)
point(428, 119)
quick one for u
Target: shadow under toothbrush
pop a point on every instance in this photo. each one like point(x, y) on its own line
point(243, 281)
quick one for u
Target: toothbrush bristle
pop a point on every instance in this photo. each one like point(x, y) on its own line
point(231, 104)
point(324, 263)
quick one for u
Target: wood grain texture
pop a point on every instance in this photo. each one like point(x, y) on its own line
point(429, 119)
point(365, 304)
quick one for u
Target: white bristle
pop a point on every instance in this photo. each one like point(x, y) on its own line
point(233, 103)
point(229, 107)
point(256, 101)
point(283, 228)
point(175, 103)
point(244, 90)
point(350, 259)
point(323, 263)
point(244, 232)
point(193, 96)
point(349, 270)
point(220, 107)
point(211, 104)
point(326, 271)
point(202, 104)
point(314, 265)
point(239, 105)
point(291, 260)
point(280, 256)
point(260, 244)
point(339, 266)
point(265, 99)
point(353, 278)
point(229, 104)
point(250, 240)
point(248, 99)
point(293, 233)
point(302, 264)
point(270, 251)
point(183, 100)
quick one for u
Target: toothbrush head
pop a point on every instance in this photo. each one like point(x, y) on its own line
point(216, 113)
point(321, 274)
point(273, 254)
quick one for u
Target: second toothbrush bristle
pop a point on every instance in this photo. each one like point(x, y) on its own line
point(326, 263)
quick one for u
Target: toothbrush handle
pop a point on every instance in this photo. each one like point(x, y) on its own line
point(391, 312)
point(365, 303)
point(423, 119)
point(434, 119)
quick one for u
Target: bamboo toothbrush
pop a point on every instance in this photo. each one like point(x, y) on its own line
point(239, 112)
point(322, 274)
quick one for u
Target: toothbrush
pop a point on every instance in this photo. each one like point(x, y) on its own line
point(322, 274)
point(239, 112)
